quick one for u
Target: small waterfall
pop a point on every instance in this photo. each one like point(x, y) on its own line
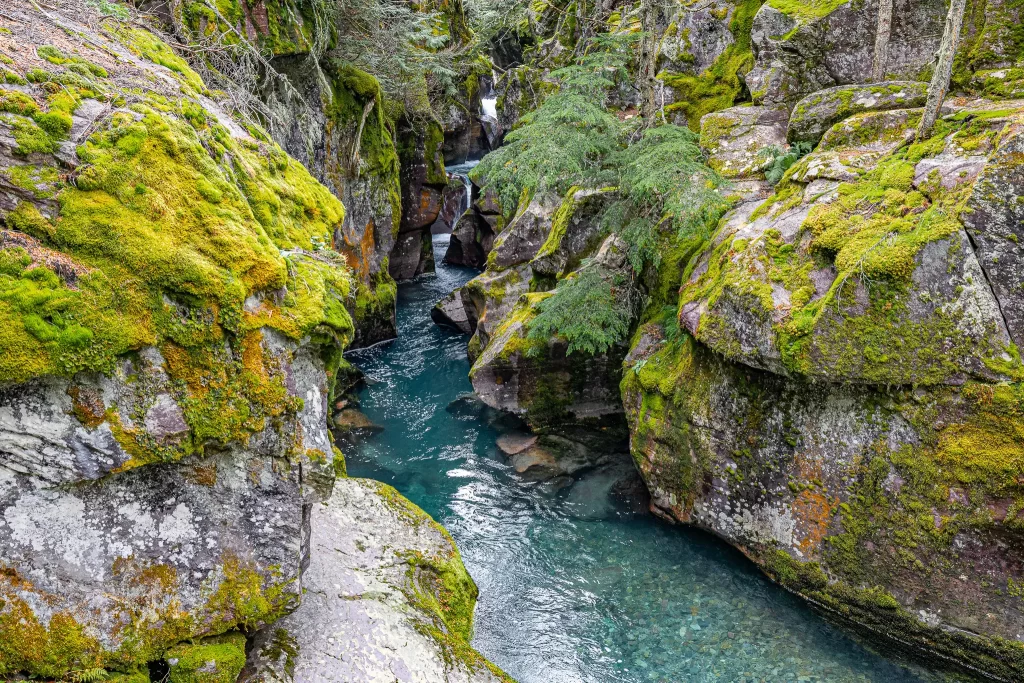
point(489, 106)
point(461, 171)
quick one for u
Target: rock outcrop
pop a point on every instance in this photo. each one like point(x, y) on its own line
point(846, 406)
point(175, 296)
point(386, 597)
point(537, 379)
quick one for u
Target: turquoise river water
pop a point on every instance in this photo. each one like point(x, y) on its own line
point(576, 585)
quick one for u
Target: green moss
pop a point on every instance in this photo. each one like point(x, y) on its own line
point(213, 660)
point(559, 223)
point(289, 23)
point(807, 10)
point(353, 91)
point(146, 45)
point(49, 652)
point(55, 56)
point(137, 676)
point(718, 86)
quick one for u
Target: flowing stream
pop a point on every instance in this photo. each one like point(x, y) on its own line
point(576, 585)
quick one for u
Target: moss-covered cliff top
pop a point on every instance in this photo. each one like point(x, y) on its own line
point(138, 213)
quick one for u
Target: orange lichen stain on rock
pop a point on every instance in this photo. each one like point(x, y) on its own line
point(87, 406)
point(813, 514)
point(812, 508)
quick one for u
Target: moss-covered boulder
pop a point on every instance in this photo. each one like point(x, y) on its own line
point(736, 139)
point(537, 378)
point(994, 216)
point(217, 659)
point(803, 47)
point(870, 280)
point(703, 53)
point(173, 304)
point(394, 577)
point(815, 114)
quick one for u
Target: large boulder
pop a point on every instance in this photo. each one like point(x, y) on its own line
point(473, 235)
point(471, 241)
point(735, 139)
point(451, 312)
point(537, 379)
point(871, 280)
point(802, 48)
point(385, 591)
point(815, 114)
point(994, 218)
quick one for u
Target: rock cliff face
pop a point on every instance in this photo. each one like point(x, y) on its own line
point(175, 295)
point(856, 423)
point(836, 390)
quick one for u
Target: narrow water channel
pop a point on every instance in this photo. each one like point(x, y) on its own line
point(576, 585)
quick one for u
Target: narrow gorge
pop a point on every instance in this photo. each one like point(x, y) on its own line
point(491, 340)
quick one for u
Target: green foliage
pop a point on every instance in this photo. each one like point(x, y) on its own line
point(88, 675)
point(569, 138)
point(777, 162)
point(663, 183)
point(586, 310)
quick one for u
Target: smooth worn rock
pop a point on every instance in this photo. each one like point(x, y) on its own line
point(451, 312)
point(815, 114)
point(412, 255)
point(522, 239)
point(471, 241)
point(385, 598)
point(818, 484)
point(736, 138)
point(515, 442)
point(354, 420)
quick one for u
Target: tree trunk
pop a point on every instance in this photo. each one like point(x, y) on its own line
point(648, 56)
point(882, 40)
point(943, 67)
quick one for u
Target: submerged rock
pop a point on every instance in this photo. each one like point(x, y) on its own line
point(515, 442)
point(354, 420)
point(385, 597)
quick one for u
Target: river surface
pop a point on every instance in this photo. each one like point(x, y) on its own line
point(575, 586)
